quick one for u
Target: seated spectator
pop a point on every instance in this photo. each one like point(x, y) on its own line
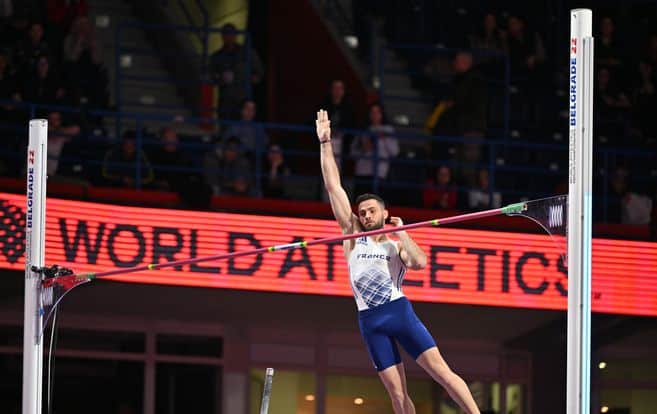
point(58, 136)
point(224, 165)
point(120, 163)
point(9, 89)
point(241, 186)
point(275, 173)
point(170, 163)
point(637, 209)
point(439, 191)
point(373, 151)
point(618, 189)
point(611, 103)
point(228, 68)
point(83, 64)
point(44, 85)
point(479, 198)
point(251, 136)
point(653, 217)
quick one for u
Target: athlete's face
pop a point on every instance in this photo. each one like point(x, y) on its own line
point(371, 214)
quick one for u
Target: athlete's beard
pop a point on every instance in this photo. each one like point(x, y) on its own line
point(374, 226)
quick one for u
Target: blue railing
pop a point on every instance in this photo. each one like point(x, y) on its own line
point(513, 178)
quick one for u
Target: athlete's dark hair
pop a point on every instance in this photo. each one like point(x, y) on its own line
point(370, 196)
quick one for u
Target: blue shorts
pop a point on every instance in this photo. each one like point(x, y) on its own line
point(394, 321)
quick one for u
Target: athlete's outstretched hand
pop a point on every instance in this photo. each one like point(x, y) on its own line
point(396, 222)
point(323, 126)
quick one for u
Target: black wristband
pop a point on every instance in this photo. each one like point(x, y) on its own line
point(324, 142)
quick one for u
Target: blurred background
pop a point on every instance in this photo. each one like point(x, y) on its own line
point(441, 107)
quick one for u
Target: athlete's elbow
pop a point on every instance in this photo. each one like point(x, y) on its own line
point(420, 263)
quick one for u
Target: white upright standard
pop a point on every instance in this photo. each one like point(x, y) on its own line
point(35, 221)
point(579, 213)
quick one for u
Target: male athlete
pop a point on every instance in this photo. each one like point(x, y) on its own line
point(376, 270)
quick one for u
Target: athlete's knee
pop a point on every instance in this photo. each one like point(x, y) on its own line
point(399, 397)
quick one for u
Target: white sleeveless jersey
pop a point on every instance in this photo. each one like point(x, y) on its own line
point(376, 272)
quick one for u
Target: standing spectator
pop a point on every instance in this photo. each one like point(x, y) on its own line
point(83, 64)
point(342, 115)
point(490, 47)
point(58, 136)
point(6, 10)
point(650, 54)
point(464, 109)
point(526, 51)
point(529, 73)
point(276, 171)
point(374, 150)
point(607, 48)
point(440, 192)
point(645, 101)
point(251, 135)
point(170, 163)
point(32, 48)
point(228, 67)
point(15, 32)
point(44, 85)
point(490, 36)
point(480, 197)
point(61, 15)
point(463, 112)
point(120, 163)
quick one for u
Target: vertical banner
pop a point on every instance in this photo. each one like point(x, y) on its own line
point(35, 220)
point(579, 212)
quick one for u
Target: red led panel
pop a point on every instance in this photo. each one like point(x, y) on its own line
point(465, 266)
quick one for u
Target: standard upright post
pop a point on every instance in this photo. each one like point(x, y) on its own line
point(266, 391)
point(35, 220)
point(579, 212)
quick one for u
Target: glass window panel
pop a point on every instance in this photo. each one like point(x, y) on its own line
point(356, 394)
point(109, 387)
point(486, 395)
point(635, 401)
point(366, 394)
point(90, 340)
point(11, 335)
point(628, 370)
point(182, 388)
point(515, 399)
point(292, 392)
point(189, 345)
point(11, 367)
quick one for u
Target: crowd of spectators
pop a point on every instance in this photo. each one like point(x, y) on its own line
point(467, 52)
point(54, 58)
